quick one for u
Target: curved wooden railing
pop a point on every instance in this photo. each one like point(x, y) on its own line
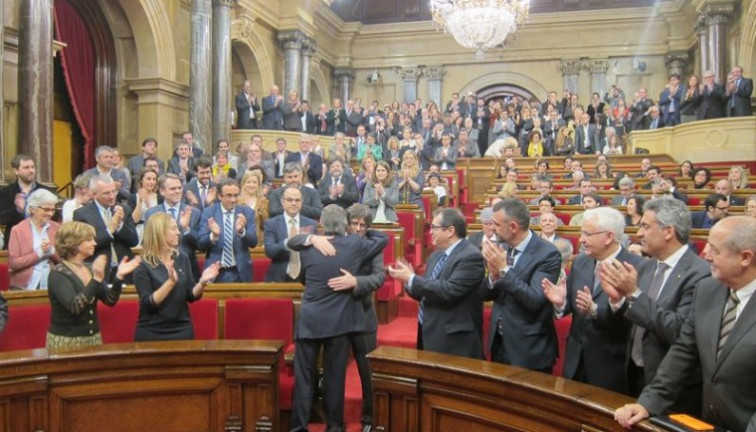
point(431, 392)
point(221, 386)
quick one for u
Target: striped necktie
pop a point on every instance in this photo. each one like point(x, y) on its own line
point(728, 320)
point(227, 259)
point(434, 275)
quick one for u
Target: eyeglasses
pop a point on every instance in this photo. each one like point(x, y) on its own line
point(589, 234)
point(437, 227)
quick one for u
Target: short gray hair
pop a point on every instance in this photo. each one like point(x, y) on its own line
point(565, 248)
point(627, 181)
point(290, 167)
point(608, 219)
point(41, 197)
point(333, 219)
point(103, 149)
point(671, 212)
point(486, 215)
point(82, 181)
point(97, 179)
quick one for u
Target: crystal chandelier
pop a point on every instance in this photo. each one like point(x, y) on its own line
point(479, 24)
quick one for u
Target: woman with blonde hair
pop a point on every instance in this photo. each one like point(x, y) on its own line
point(382, 195)
point(410, 180)
point(563, 144)
point(75, 286)
point(252, 196)
point(165, 283)
point(738, 177)
point(508, 190)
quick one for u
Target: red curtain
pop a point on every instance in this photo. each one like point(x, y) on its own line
point(78, 60)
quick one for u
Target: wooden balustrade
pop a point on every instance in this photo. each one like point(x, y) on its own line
point(221, 386)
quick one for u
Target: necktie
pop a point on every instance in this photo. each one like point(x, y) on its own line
point(203, 196)
point(636, 352)
point(434, 275)
point(172, 211)
point(227, 258)
point(511, 254)
point(294, 266)
point(728, 320)
point(597, 278)
point(108, 219)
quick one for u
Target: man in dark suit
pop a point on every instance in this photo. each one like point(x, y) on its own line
point(226, 232)
point(200, 192)
point(104, 156)
point(657, 296)
point(586, 187)
point(713, 98)
point(187, 217)
point(114, 227)
point(13, 196)
point(724, 187)
point(182, 163)
point(653, 120)
point(311, 205)
point(669, 100)
point(328, 316)
point(717, 342)
point(136, 163)
point(312, 164)
point(272, 107)
point(522, 321)
point(639, 109)
point(279, 229)
point(246, 108)
point(306, 119)
point(739, 90)
point(627, 191)
point(338, 187)
point(716, 208)
point(595, 351)
point(586, 136)
point(353, 118)
point(488, 230)
point(450, 316)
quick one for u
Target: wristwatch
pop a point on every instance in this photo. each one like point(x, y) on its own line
point(503, 272)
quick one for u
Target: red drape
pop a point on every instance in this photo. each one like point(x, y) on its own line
point(78, 60)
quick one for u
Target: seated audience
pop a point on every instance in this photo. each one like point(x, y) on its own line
point(751, 206)
point(686, 170)
point(716, 208)
point(701, 178)
point(634, 211)
point(590, 201)
point(549, 223)
point(725, 187)
point(438, 187)
point(738, 177)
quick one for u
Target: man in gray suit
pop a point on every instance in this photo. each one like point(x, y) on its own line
point(272, 107)
point(719, 336)
point(596, 345)
point(656, 298)
point(522, 320)
point(627, 191)
point(450, 316)
point(328, 316)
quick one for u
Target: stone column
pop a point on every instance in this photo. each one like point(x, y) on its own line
point(410, 76)
point(222, 102)
point(291, 42)
point(703, 45)
point(308, 49)
point(435, 75)
point(35, 84)
point(200, 75)
point(345, 77)
point(570, 73)
point(717, 18)
point(676, 64)
point(598, 70)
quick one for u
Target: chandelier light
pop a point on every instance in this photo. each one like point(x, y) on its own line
point(479, 24)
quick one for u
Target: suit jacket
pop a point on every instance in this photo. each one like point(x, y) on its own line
point(243, 109)
point(268, 169)
point(617, 200)
point(291, 120)
point(311, 122)
point(592, 139)
point(174, 166)
point(666, 98)
point(122, 240)
point(452, 305)
point(350, 196)
point(193, 187)
point(735, 201)
point(314, 168)
point(599, 343)
point(712, 103)
point(728, 380)
point(450, 159)
point(390, 200)
point(575, 200)
point(327, 313)
point(638, 111)
point(241, 243)
point(272, 113)
point(22, 257)
point(662, 318)
point(739, 103)
point(276, 235)
point(188, 243)
point(527, 319)
point(648, 123)
point(9, 214)
point(311, 205)
point(697, 219)
point(333, 117)
point(353, 119)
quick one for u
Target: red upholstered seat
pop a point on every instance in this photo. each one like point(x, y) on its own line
point(4, 277)
point(562, 330)
point(205, 318)
point(26, 328)
point(462, 182)
point(118, 323)
point(565, 217)
point(573, 238)
point(391, 287)
point(264, 319)
point(201, 262)
point(260, 268)
point(408, 219)
point(694, 200)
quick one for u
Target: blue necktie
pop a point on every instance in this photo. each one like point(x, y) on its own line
point(228, 241)
point(172, 211)
point(434, 275)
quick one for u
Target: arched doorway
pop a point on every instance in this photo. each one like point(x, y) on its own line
point(504, 92)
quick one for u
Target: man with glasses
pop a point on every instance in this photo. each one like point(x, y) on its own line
point(226, 232)
point(293, 177)
point(596, 346)
point(450, 313)
point(284, 266)
point(655, 297)
point(522, 320)
point(717, 208)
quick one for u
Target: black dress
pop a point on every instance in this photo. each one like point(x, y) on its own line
point(169, 320)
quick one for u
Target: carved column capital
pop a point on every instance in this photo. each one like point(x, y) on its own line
point(717, 13)
point(598, 66)
point(435, 72)
point(409, 74)
point(700, 25)
point(290, 39)
point(309, 46)
point(343, 73)
point(570, 67)
point(678, 58)
point(227, 3)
